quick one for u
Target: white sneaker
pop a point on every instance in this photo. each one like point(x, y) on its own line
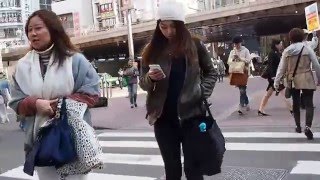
point(4, 120)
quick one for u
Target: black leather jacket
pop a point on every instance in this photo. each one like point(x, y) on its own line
point(200, 73)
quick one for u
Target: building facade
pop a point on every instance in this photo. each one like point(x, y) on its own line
point(112, 13)
point(12, 19)
point(76, 16)
point(45, 4)
point(106, 13)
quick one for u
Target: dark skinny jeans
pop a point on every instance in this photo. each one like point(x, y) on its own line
point(308, 100)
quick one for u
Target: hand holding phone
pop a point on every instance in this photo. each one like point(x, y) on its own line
point(236, 57)
point(155, 72)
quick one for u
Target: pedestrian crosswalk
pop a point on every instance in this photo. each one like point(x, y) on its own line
point(134, 155)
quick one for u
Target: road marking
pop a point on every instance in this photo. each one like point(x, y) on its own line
point(307, 167)
point(226, 134)
point(290, 147)
point(19, 174)
point(130, 144)
point(300, 147)
point(266, 135)
point(126, 134)
point(95, 176)
point(151, 160)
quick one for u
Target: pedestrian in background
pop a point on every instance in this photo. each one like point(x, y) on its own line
point(297, 59)
point(52, 69)
point(221, 69)
point(174, 89)
point(313, 44)
point(272, 66)
point(4, 98)
point(132, 73)
point(241, 54)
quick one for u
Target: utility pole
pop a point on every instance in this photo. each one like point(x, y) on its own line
point(128, 7)
point(130, 36)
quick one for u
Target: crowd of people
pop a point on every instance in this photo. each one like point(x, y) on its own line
point(289, 72)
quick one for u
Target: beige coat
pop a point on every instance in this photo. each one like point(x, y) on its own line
point(304, 77)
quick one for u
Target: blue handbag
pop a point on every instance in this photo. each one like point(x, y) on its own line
point(54, 146)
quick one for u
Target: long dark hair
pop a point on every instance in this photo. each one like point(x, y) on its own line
point(63, 47)
point(274, 43)
point(184, 44)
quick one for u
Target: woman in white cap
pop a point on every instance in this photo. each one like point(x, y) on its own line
point(174, 87)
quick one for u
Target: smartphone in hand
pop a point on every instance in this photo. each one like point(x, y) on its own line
point(156, 67)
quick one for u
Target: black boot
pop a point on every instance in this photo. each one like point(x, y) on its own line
point(298, 129)
point(308, 133)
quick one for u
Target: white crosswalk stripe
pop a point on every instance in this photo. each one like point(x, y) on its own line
point(127, 141)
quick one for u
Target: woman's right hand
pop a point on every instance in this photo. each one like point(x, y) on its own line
point(156, 74)
point(44, 106)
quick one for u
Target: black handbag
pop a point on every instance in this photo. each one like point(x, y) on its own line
point(288, 91)
point(54, 146)
point(206, 149)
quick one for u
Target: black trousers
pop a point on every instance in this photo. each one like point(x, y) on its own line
point(302, 104)
point(308, 102)
point(169, 135)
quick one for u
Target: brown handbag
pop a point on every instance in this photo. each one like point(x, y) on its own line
point(239, 79)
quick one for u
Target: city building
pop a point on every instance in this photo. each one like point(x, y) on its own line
point(45, 4)
point(14, 14)
point(76, 16)
point(106, 13)
point(112, 13)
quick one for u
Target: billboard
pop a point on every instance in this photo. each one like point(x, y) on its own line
point(312, 17)
point(107, 9)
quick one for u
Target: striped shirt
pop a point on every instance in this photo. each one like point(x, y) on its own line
point(44, 58)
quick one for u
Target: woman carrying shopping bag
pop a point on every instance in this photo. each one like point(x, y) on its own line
point(52, 69)
point(239, 62)
point(178, 75)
